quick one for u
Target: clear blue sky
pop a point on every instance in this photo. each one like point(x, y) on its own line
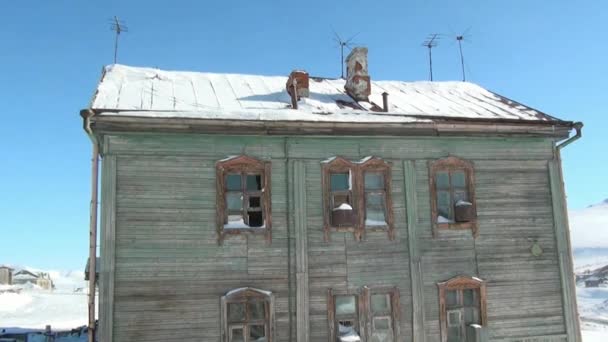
point(548, 54)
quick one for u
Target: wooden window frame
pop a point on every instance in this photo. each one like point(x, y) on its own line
point(461, 283)
point(331, 311)
point(357, 171)
point(243, 165)
point(247, 295)
point(394, 312)
point(451, 164)
point(377, 165)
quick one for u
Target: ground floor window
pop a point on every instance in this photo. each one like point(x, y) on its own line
point(365, 314)
point(247, 315)
point(462, 302)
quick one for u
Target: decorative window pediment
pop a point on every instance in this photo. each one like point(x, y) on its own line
point(243, 197)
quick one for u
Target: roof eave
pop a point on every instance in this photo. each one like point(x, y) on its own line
point(108, 123)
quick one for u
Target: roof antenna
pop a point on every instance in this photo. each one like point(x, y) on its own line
point(460, 38)
point(117, 26)
point(343, 43)
point(431, 41)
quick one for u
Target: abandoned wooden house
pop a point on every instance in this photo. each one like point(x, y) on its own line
point(299, 208)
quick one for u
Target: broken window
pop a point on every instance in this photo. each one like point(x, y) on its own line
point(462, 302)
point(343, 313)
point(357, 196)
point(247, 315)
point(452, 195)
point(243, 196)
point(375, 308)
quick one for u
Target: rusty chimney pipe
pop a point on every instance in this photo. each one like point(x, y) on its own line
point(385, 102)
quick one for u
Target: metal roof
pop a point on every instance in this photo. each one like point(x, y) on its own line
point(148, 92)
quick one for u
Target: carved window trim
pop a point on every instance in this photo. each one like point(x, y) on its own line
point(459, 284)
point(357, 192)
point(243, 165)
point(452, 164)
point(247, 295)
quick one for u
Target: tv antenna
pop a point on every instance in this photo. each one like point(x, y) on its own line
point(460, 38)
point(343, 43)
point(117, 26)
point(431, 41)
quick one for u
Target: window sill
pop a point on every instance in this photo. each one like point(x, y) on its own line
point(456, 225)
point(223, 233)
point(472, 225)
point(243, 230)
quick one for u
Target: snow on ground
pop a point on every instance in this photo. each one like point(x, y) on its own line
point(593, 302)
point(29, 306)
point(594, 332)
point(589, 236)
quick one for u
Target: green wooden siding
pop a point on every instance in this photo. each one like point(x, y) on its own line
point(170, 272)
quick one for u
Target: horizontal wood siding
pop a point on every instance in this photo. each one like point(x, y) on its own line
point(170, 271)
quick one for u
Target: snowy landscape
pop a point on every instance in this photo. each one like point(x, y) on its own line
point(31, 307)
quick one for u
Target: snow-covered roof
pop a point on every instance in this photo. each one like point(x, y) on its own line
point(147, 92)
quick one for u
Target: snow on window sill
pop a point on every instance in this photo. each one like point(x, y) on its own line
point(241, 225)
point(375, 223)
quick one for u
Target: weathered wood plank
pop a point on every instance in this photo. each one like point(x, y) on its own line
point(564, 249)
point(418, 317)
point(298, 193)
point(107, 250)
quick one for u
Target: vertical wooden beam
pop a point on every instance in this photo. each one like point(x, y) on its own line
point(409, 169)
point(562, 235)
point(107, 256)
point(92, 264)
point(298, 192)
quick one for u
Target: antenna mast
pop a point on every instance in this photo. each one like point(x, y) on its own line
point(431, 41)
point(117, 26)
point(460, 39)
point(343, 43)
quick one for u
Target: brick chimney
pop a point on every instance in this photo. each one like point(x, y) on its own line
point(301, 78)
point(358, 84)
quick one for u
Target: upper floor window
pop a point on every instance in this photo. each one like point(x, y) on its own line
point(462, 302)
point(247, 315)
point(357, 196)
point(452, 189)
point(243, 196)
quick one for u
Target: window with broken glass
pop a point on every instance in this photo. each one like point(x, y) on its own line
point(243, 196)
point(372, 314)
point(247, 316)
point(462, 302)
point(357, 196)
point(343, 313)
point(453, 194)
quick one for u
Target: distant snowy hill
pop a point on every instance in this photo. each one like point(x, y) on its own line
point(589, 226)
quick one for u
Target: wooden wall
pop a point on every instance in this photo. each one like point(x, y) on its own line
point(170, 273)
